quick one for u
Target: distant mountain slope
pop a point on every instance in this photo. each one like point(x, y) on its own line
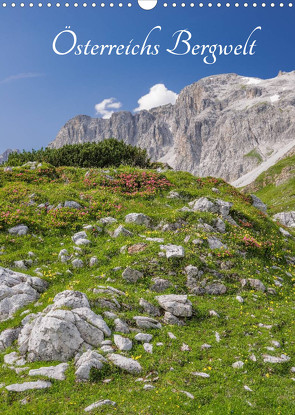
point(276, 186)
point(4, 156)
point(224, 126)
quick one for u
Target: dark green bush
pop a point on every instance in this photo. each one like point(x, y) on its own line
point(107, 153)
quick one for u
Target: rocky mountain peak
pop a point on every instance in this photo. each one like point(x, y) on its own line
point(223, 125)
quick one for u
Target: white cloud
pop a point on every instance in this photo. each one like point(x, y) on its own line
point(20, 76)
point(158, 95)
point(106, 107)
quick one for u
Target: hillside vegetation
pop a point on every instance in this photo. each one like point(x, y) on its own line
point(276, 186)
point(109, 152)
point(228, 348)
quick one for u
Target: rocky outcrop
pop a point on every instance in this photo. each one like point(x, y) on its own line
point(62, 329)
point(286, 218)
point(224, 125)
point(17, 290)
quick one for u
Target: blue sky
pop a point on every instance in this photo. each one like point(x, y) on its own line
point(40, 90)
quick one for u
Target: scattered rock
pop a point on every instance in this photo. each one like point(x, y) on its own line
point(173, 195)
point(99, 404)
point(21, 264)
point(77, 263)
point(188, 394)
point(148, 347)
point(256, 202)
point(160, 285)
point(285, 233)
point(121, 326)
point(149, 308)
point(216, 289)
point(158, 240)
point(178, 305)
point(107, 220)
point(93, 261)
point(52, 372)
point(201, 374)
point(17, 290)
point(238, 365)
point(121, 231)
point(7, 337)
point(172, 320)
point(125, 363)
point(213, 313)
point(148, 387)
point(206, 346)
point(219, 225)
point(215, 243)
point(138, 219)
point(272, 359)
point(19, 230)
point(286, 218)
point(122, 343)
point(257, 284)
point(131, 275)
point(72, 205)
point(143, 337)
point(58, 333)
point(86, 362)
point(173, 251)
point(14, 359)
point(185, 348)
point(134, 249)
point(64, 255)
point(147, 323)
point(22, 387)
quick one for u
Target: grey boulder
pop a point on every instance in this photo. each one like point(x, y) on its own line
point(216, 288)
point(58, 333)
point(286, 218)
point(173, 251)
point(160, 284)
point(53, 372)
point(17, 290)
point(138, 219)
point(19, 230)
point(126, 364)
point(99, 404)
point(256, 202)
point(121, 231)
point(72, 205)
point(147, 323)
point(23, 387)
point(122, 343)
point(178, 305)
point(86, 362)
point(7, 337)
point(131, 275)
point(149, 308)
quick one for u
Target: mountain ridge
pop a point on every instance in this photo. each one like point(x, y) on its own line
point(5, 154)
point(222, 125)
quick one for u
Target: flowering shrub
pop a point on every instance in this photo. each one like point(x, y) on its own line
point(262, 248)
point(45, 174)
point(225, 254)
point(135, 183)
point(250, 241)
point(245, 223)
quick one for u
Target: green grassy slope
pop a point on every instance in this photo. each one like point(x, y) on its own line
point(276, 186)
point(255, 249)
